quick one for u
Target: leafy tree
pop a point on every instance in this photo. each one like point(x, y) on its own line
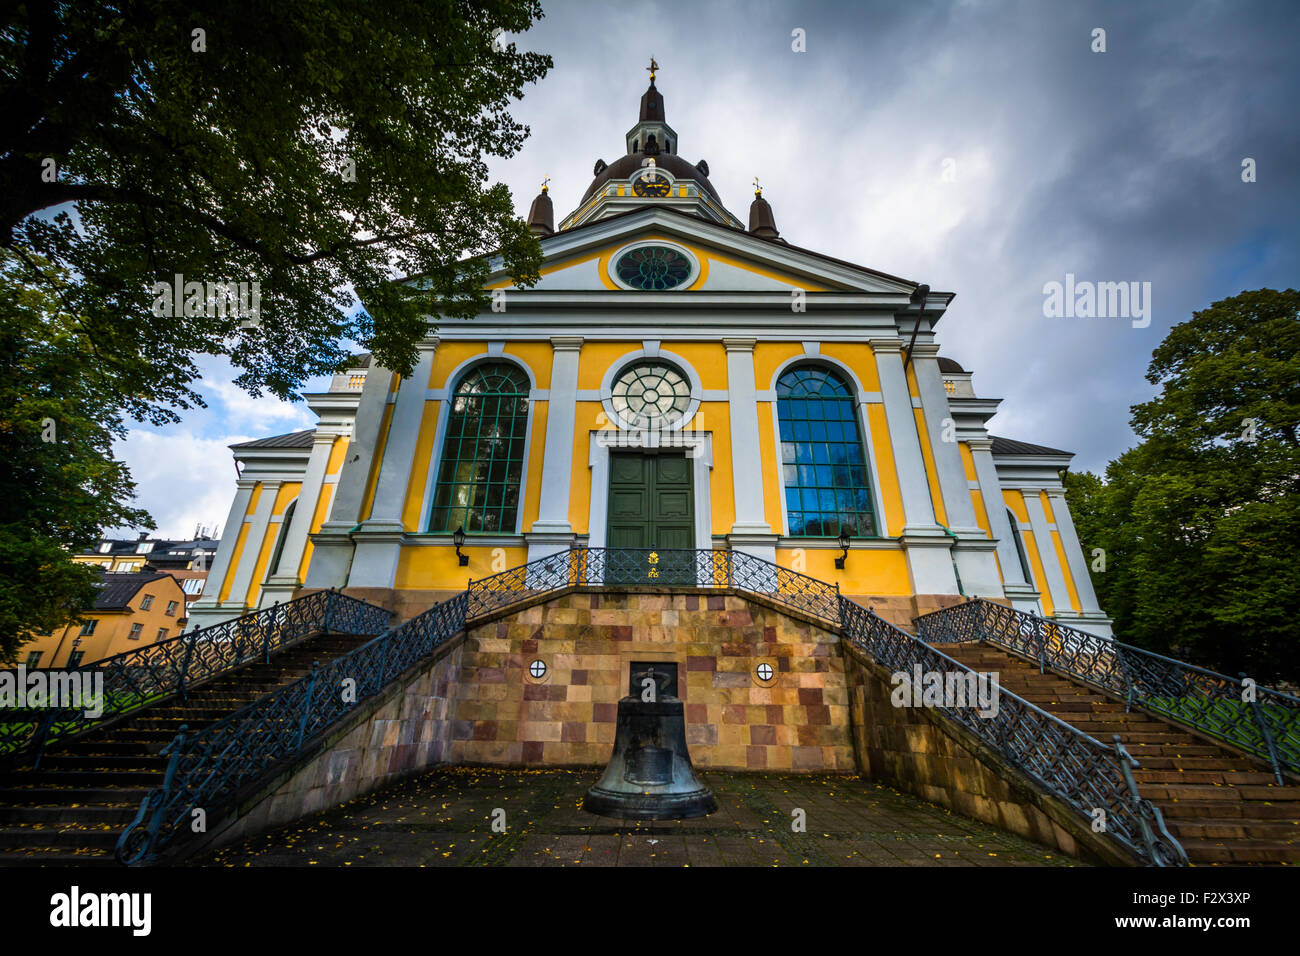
point(1200, 521)
point(58, 419)
point(316, 148)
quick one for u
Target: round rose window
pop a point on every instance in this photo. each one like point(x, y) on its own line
point(651, 393)
point(653, 268)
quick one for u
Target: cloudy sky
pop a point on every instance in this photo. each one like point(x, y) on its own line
point(1123, 165)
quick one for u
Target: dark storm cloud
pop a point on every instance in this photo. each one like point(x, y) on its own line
point(1115, 166)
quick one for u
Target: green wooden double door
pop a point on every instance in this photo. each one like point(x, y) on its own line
point(652, 509)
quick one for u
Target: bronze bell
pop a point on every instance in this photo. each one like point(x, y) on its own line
point(649, 776)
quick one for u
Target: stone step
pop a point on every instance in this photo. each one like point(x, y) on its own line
point(68, 796)
point(1211, 777)
point(1239, 851)
point(57, 856)
point(1234, 828)
point(28, 837)
point(1244, 810)
point(118, 816)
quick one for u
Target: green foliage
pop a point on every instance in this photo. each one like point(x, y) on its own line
point(1200, 521)
point(58, 419)
point(318, 148)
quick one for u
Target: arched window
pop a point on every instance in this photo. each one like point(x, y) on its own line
point(274, 566)
point(825, 473)
point(483, 453)
point(1020, 546)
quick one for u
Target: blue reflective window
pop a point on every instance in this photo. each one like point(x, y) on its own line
point(825, 471)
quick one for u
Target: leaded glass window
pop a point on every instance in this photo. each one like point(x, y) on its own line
point(483, 454)
point(825, 473)
point(649, 394)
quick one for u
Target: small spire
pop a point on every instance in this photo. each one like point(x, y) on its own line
point(761, 221)
point(652, 67)
point(541, 216)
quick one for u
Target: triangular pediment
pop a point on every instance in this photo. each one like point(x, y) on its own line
point(725, 259)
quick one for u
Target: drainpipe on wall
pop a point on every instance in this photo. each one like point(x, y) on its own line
point(953, 556)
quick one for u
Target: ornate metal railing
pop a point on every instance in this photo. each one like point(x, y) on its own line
point(1093, 778)
point(212, 768)
point(1259, 720)
point(134, 678)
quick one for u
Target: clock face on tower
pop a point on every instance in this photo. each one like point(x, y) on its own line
point(652, 185)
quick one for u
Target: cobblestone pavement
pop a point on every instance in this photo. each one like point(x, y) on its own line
point(444, 818)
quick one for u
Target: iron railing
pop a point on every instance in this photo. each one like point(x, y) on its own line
point(127, 681)
point(213, 768)
point(1259, 720)
point(1080, 770)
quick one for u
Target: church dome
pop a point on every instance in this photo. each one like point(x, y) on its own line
point(674, 165)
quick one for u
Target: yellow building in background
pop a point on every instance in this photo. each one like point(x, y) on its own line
point(133, 609)
point(676, 380)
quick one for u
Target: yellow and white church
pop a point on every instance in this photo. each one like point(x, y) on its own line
point(675, 380)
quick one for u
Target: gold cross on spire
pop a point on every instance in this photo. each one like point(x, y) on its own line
point(652, 67)
point(545, 182)
point(758, 190)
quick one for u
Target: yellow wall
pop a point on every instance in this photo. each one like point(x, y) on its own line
point(112, 632)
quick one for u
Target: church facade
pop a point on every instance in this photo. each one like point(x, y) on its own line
point(677, 379)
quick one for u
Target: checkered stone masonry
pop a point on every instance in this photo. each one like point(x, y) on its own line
point(797, 721)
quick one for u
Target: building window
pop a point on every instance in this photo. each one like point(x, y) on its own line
point(1020, 547)
point(650, 394)
point(136, 628)
point(171, 608)
point(824, 471)
point(653, 268)
point(162, 634)
point(33, 659)
point(285, 522)
point(105, 547)
point(146, 602)
point(89, 627)
point(483, 453)
point(192, 585)
point(74, 659)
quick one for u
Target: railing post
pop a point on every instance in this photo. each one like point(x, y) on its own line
point(169, 777)
point(1268, 736)
point(329, 608)
point(42, 735)
point(1042, 647)
point(268, 628)
point(306, 704)
point(185, 669)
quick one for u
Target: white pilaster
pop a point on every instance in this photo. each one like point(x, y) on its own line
point(284, 579)
point(205, 610)
point(552, 530)
point(1047, 553)
point(374, 562)
point(332, 546)
point(1090, 616)
point(746, 458)
point(928, 546)
point(238, 598)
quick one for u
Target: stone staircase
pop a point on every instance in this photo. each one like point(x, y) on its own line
point(1222, 806)
point(71, 809)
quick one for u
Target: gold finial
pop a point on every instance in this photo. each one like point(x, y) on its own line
point(544, 182)
point(758, 190)
point(652, 67)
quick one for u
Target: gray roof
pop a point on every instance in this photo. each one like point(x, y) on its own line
point(1008, 446)
point(116, 590)
point(302, 439)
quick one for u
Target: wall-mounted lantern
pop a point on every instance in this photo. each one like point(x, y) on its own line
point(458, 539)
point(844, 543)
